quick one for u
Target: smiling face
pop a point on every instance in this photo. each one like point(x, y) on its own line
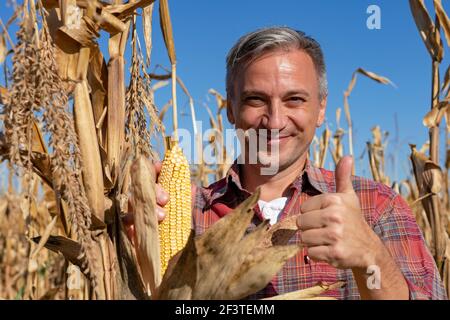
point(279, 91)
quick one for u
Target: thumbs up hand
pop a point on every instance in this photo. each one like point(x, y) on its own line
point(333, 228)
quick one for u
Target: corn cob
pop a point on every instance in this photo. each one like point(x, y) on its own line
point(175, 229)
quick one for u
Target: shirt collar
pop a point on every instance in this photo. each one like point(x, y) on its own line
point(311, 174)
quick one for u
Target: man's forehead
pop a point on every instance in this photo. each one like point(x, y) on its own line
point(295, 70)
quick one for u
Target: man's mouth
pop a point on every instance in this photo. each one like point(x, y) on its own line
point(277, 140)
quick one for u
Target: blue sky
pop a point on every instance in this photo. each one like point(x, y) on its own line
point(205, 30)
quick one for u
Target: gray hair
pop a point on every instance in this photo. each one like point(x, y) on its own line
point(259, 42)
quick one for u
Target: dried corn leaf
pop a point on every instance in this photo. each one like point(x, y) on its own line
point(418, 160)
point(426, 28)
point(446, 82)
point(4, 95)
point(147, 16)
point(69, 248)
point(40, 161)
point(3, 48)
point(432, 177)
point(443, 19)
point(67, 49)
point(227, 263)
point(374, 76)
point(434, 116)
point(131, 286)
point(44, 238)
point(123, 11)
point(281, 232)
point(37, 143)
point(258, 270)
point(308, 293)
point(109, 22)
point(115, 114)
point(50, 294)
point(223, 262)
point(146, 222)
point(92, 167)
point(180, 277)
point(97, 77)
point(85, 35)
point(166, 27)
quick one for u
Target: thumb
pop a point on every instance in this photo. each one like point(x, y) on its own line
point(343, 175)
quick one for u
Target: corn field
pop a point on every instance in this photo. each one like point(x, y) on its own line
point(75, 139)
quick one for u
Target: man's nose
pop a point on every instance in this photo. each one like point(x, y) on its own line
point(275, 117)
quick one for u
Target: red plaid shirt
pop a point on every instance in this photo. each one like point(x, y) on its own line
point(385, 211)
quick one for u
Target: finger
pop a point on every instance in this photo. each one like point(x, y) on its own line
point(343, 175)
point(162, 197)
point(319, 253)
point(160, 213)
point(315, 237)
point(157, 165)
point(311, 220)
point(313, 203)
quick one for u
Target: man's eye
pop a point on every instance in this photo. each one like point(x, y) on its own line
point(253, 99)
point(297, 99)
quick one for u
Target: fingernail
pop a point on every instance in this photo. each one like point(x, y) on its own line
point(161, 213)
point(163, 196)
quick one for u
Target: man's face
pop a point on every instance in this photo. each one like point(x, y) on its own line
point(279, 90)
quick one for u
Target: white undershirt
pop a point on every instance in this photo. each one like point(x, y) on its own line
point(272, 209)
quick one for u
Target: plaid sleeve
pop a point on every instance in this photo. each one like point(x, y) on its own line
point(401, 235)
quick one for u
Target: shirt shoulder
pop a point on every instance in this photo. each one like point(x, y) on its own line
point(202, 215)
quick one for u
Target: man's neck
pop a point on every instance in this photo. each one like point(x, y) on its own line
point(274, 186)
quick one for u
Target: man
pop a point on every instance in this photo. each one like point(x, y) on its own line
point(353, 229)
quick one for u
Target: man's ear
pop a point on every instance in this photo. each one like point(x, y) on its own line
point(230, 114)
point(323, 108)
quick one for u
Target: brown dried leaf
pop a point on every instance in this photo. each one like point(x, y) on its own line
point(3, 48)
point(147, 16)
point(123, 11)
point(418, 160)
point(180, 277)
point(258, 270)
point(92, 167)
point(84, 35)
point(426, 28)
point(44, 237)
point(115, 114)
point(69, 248)
point(146, 223)
point(214, 283)
point(432, 177)
point(374, 76)
point(443, 19)
point(4, 95)
point(434, 116)
point(109, 22)
point(446, 82)
point(67, 49)
point(281, 232)
point(308, 293)
point(166, 27)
